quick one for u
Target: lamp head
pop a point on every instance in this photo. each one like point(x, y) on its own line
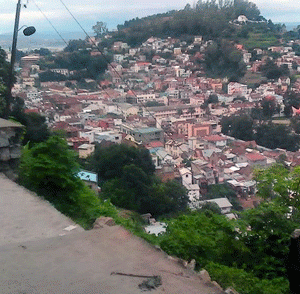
point(29, 31)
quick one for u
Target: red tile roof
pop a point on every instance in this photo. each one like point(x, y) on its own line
point(255, 156)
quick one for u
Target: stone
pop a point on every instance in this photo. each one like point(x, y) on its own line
point(103, 221)
point(204, 275)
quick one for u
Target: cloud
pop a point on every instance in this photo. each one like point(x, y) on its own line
point(116, 12)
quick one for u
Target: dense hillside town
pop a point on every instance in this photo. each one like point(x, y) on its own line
point(157, 95)
point(183, 127)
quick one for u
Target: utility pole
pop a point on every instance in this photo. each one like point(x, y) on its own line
point(13, 59)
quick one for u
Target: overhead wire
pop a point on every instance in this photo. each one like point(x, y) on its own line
point(108, 62)
point(50, 22)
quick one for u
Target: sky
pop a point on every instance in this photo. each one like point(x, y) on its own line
point(115, 12)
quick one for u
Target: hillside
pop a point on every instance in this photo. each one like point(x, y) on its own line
point(209, 19)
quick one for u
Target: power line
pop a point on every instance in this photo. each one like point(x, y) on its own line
point(117, 73)
point(50, 23)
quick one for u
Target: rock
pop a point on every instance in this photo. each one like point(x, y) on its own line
point(216, 285)
point(191, 265)
point(205, 277)
point(230, 290)
point(103, 221)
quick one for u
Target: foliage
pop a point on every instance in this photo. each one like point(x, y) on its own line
point(203, 236)
point(36, 128)
point(212, 98)
point(50, 76)
point(295, 124)
point(136, 191)
point(276, 136)
point(269, 108)
point(240, 127)
point(265, 134)
point(271, 71)
point(75, 45)
point(222, 59)
point(244, 282)
point(281, 184)
point(49, 169)
point(153, 103)
point(109, 162)
point(3, 94)
point(100, 29)
point(292, 99)
point(206, 18)
point(268, 239)
point(4, 83)
point(81, 61)
point(127, 180)
point(220, 190)
point(223, 190)
point(43, 51)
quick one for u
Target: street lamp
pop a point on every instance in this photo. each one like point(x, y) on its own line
point(27, 32)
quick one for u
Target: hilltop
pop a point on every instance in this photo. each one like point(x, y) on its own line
point(238, 21)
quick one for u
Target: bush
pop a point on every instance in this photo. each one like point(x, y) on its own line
point(245, 283)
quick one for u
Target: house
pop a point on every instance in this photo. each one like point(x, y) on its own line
point(223, 204)
point(85, 150)
point(142, 133)
point(194, 192)
point(254, 158)
point(186, 177)
point(176, 148)
point(110, 136)
point(216, 141)
point(237, 89)
point(90, 179)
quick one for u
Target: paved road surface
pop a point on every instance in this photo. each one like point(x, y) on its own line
point(35, 259)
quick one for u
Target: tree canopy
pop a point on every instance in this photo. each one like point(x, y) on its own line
point(127, 178)
point(50, 169)
point(222, 59)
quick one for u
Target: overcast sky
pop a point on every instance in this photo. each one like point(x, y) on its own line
point(114, 12)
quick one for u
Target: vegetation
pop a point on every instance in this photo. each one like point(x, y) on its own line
point(127, 178)
point(271, 71)
point(222, 59)
point(249, 253)
point(50, 169)
point(265, 134)
point(208, 18)
point(76, 59)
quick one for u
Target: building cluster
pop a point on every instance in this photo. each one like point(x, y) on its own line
point(156, 96)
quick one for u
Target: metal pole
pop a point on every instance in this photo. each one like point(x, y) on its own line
point(13, 58)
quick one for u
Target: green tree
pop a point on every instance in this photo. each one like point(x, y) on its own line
point(203, 236)
point(240, 127)
point(213, 98)
point(109, 162)
point(276, 136)
point(268, 239)
point(222, 59)
point(100, 29)
point(270, 70)
point(3, 94)
point(50, 169)
point(268, 108)
point(277, 182)
point(75, 45)
point(36, 129)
